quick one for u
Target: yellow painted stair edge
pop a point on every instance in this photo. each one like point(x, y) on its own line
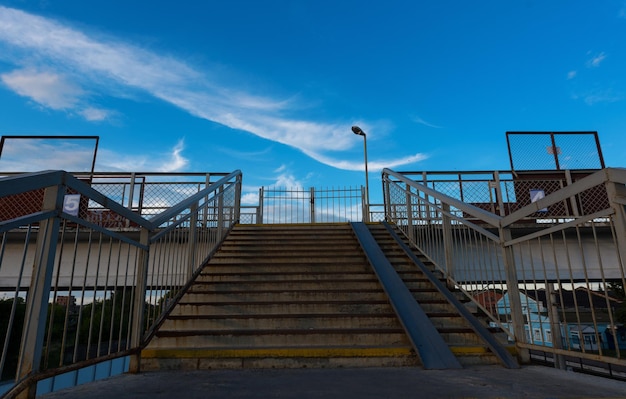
point(191, 353)
point(477, 350)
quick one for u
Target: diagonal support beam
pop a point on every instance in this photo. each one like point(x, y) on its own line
point(496, 348)
point(426, 340)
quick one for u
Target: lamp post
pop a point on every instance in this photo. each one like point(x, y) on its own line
point(358, 131)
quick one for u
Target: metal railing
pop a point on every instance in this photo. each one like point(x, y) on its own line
point(311, 205)
point(550, 271)
point(78, 293)
point(145, 193)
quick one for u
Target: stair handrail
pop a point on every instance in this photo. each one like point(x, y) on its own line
point(199, 223)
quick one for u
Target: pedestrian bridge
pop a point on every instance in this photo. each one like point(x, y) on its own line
point(92, 267)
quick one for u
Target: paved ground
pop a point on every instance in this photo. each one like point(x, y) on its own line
point(477, 382)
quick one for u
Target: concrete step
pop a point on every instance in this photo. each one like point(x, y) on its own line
point(273, 285)
point(285, 295)
point(300, 296)
point(289, 307)
point(284, 357)
point(305, 321)
point(335, 275)
point(296, 266)
point(280, 338)
point(275, 259)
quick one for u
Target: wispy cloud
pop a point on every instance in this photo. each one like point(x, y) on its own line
point(172, 161)
point(421, 121)
point(35, 154)
point(110, 66)
point(29, 155)
point(571, 75)
point(95, 114)
point(593, 97)
point(596, 60)
point(46, 88)
point(372, 166)
point(602, 96)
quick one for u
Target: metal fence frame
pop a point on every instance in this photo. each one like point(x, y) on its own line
point(502, 259)
point(126, 281)
point(278, 205)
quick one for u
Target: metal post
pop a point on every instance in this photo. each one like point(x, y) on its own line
point(39, 291)
point(364, 211)
point(387, 198)
point(447, 242)
point(312, 204)
point(131, 194)
point(555, 326)
point(359, 132)
point(426, 216)
point(139, 302)
point(517, 317)
point(237, 215)
point(259, 211)
point(205, 213)
point(220, 212)
point(367, 186)
point(498, 188)
point(617, 198)
point(191, 240)
point(409, 215)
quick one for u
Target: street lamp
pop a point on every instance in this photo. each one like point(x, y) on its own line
point(358, 131)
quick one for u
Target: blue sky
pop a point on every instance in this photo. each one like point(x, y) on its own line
point(273, 87)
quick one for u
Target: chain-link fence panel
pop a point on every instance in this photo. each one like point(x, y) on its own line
point(554, 150)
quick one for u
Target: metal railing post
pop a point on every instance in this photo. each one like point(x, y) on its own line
point(555, 326)
point(259, 211)
point(139, 302)
point(237, 215)
point(131, 194)
point(498, 188)
point(205, 213)
point(447, 242)
point(515, 302)
point(386, 198)
point(616, 194)
point(364, 209)
point(39, 292)
point(312, 204)
point(191, 240)
point(409, 214)
point(220, 212)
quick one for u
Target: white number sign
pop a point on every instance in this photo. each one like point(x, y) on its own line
point(71, 203)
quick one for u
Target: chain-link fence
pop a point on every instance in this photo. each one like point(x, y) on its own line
point(146, 194)
point(504, 192)
point(554, 150)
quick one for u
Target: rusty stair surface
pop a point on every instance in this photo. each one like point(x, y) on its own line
point(292, 296)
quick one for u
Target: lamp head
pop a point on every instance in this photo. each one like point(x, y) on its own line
point(357, 130)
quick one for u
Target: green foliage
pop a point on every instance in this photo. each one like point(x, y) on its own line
point(617, 291)
point(14, 334)
point(104, 320)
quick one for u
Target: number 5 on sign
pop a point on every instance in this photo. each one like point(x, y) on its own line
point(71, 203)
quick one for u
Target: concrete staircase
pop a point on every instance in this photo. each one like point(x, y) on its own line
point(283, 296)
point(468, 347)
point(278, 296)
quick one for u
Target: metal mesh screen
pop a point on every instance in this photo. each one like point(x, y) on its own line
point(554, 150)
